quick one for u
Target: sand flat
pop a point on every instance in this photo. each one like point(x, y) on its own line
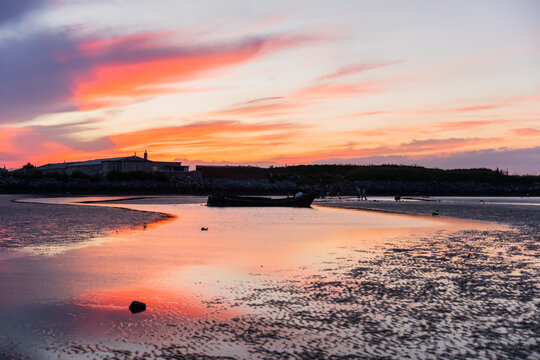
point(49, 228)
point(284, 283)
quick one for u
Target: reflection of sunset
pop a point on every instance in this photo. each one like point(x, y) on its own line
point(257, 276)
point(176, 255)
point(157, 300)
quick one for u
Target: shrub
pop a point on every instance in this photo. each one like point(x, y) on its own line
point(135, 175)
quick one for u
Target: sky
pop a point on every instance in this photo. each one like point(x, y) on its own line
point(447, 84)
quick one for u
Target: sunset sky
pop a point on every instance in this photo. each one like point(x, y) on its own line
point(449, 84)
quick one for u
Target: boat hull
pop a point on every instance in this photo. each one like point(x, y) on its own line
point(229, 200)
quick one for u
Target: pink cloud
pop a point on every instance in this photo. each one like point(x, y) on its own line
point(526, 132)
point(337, 91)
point(467, 125)
point(464, 109)
point(82, 72)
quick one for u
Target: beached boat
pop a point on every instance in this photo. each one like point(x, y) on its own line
point(303, 200)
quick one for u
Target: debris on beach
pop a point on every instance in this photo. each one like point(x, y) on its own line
point(204, 229)
point(137, 307)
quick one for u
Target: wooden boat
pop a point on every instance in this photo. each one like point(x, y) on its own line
point(304, 200)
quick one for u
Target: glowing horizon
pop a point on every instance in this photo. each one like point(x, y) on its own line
point(434, 84)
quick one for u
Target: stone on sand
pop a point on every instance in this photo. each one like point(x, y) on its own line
point(137, 307)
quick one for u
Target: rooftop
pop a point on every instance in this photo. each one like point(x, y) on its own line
point(92, 162)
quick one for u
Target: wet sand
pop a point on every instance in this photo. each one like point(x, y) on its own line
point(461, 290)
point(516, 213)
point(45, 229)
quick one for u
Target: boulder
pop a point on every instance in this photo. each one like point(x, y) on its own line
point(137, 307)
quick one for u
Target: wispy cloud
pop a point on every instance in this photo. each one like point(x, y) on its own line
point(263, 107)
point(215, 135)
point(63, 134)
point(496, 104)
point(429, 129)
point(294, 102)
point(441, 145)
point(285, 104)
point(233, 140)
point(338, 91)
point(466, 125)
point(416, 147)
point(526, 132)
point(455, 110)
point(261, 100)
point(355, 69)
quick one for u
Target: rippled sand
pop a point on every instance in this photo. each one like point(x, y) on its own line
point(462, 290)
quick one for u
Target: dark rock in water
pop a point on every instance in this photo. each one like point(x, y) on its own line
point(435, 213)
point(137, 307)
point(204, 229)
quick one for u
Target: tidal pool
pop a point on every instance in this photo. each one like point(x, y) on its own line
point(202, 288)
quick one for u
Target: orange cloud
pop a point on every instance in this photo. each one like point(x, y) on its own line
point(136, 65)
point(230, 140)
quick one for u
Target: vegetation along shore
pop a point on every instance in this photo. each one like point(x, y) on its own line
point(327, 179)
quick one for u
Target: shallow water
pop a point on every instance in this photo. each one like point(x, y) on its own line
point(74, 301)
point(506, 200)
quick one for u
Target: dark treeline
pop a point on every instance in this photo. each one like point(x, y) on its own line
point(327, 179)
point(407, 180)
point(321, 174)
